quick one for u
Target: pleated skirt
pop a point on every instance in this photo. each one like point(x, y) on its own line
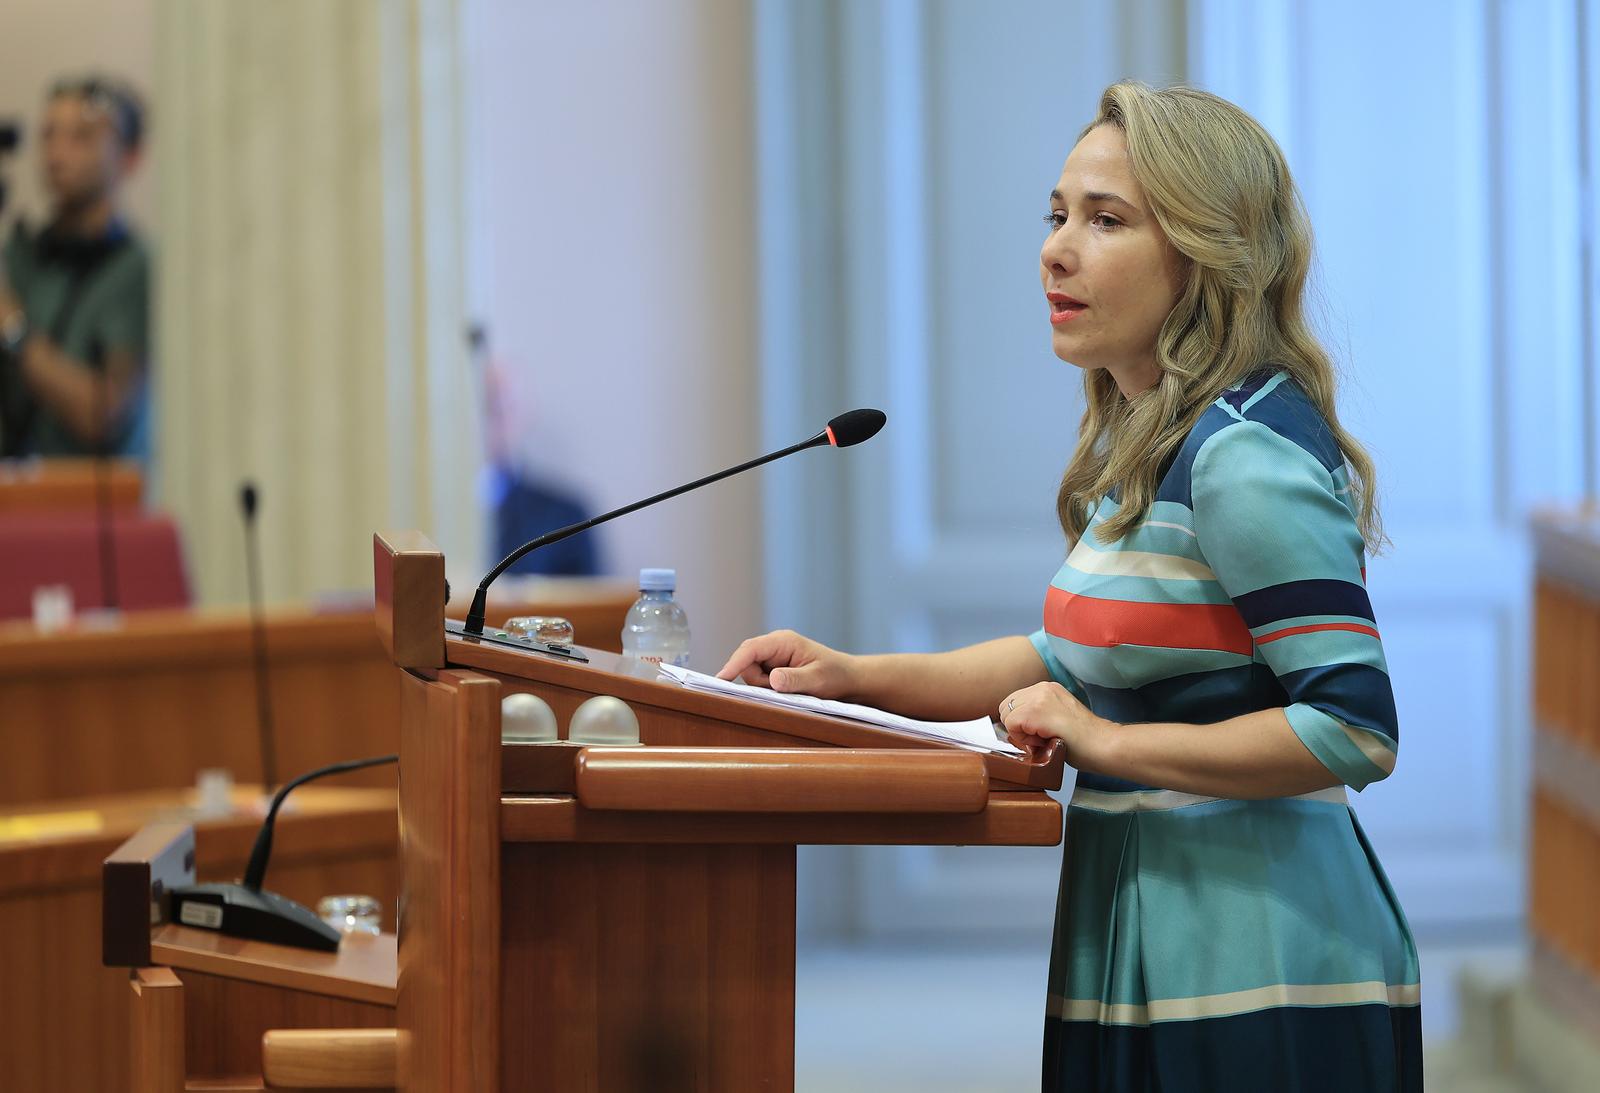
point(1204, 944)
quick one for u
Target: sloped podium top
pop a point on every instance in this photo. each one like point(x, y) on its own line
point(680, 717)
point(409, 582)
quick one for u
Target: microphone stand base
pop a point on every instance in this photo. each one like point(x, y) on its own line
point(256, 915)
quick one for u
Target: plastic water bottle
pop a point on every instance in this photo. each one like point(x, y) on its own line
point(656, 630)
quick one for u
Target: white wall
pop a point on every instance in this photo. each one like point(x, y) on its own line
point(611, 252)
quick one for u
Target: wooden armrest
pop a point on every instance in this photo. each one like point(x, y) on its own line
point(781, 780)
point(134, 882)
point(334, 1058)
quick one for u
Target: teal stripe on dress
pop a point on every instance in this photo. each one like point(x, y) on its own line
point(1053, 665)
point(1266, 389)
point(1198, 937)
point(1102, 586)
point(1333, 746)
point(1247, 481)
point(1161, 513)
point(1169, 531)
point(1138, 665)
point(1320, 647)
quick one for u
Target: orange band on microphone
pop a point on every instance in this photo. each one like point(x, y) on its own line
point(831, 438)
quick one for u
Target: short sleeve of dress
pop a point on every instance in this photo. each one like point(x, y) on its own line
point(1275, 529)
point(1052, 663)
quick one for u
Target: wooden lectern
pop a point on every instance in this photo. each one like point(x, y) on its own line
point(621, 919)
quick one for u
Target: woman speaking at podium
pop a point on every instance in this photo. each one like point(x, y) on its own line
point(1209, 656)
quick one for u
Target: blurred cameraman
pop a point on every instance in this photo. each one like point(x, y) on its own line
point(75, 297)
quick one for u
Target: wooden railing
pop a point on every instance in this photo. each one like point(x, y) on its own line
point(1564, 881)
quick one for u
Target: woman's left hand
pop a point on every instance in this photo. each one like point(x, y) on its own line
point(1035, 715)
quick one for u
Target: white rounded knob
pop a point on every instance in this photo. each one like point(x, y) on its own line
point(527, 719)
point(604, 720)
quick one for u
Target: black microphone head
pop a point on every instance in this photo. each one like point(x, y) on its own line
point(855, 426)
point(247, 498)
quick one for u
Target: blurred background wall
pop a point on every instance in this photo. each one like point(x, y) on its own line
point(311, 329)
point(613, 233)
point(44, 40)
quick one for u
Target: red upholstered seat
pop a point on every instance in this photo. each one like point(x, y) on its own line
point(64, 548)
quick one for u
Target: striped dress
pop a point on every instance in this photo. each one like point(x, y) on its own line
point(1214, 944)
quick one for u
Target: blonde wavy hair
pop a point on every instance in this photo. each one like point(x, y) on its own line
point(1218, 185)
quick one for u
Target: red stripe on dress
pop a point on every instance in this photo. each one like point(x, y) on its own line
point(1354, 627)
point(1106, 623)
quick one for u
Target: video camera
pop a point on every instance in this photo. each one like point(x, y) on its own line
point(10, 138)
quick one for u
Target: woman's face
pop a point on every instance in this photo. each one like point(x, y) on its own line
point(1109, 273)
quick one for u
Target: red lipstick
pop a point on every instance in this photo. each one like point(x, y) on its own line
point(1064, 308)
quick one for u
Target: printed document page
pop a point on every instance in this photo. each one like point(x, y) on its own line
point(979, 734)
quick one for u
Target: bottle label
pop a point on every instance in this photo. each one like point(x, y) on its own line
point(679, 661)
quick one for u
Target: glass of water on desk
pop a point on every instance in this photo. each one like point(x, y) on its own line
point(550, 629)
point(351, 914)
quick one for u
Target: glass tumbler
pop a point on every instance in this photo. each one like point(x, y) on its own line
point(351, 914)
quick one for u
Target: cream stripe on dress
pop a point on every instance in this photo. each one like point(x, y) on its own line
point(1235, 1002)
point(1371, 746)
point(1138, 563)
point(1161, 800)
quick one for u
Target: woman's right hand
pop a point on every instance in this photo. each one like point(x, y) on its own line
point(794, 664)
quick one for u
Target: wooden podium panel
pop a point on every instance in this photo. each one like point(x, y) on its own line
point(648, 966)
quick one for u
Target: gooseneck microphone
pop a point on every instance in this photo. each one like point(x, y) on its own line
point(245, 909)
point(105, 516)
point(248, 498)
point(842, 432)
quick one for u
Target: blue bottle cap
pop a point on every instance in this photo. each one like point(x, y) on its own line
point(658, 580)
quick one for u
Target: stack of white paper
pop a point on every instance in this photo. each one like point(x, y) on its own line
point(978, 734)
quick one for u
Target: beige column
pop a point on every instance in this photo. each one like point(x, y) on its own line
point(309, 305)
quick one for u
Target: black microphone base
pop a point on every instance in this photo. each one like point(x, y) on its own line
point(257, 915)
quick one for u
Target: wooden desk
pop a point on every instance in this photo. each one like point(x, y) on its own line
point(64, 1017)
point(236, 990)
point(164, 695)
point(66, 485)
point(363, 970)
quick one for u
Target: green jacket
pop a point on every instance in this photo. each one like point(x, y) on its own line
point(91, 297)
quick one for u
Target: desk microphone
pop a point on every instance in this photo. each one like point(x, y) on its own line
point(843, 431)
point(258, 626)
point(245, 909)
